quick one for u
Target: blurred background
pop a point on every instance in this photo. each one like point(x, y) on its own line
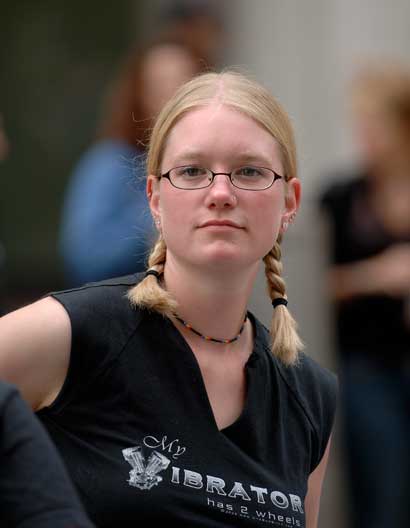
point(57, 59)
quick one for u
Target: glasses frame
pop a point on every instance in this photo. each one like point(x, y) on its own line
point(166, 175)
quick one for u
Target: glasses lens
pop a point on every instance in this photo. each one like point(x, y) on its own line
point(189, 177)
point(253, 178)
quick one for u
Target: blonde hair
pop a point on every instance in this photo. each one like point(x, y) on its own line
point(245, 95)
point(383, 89)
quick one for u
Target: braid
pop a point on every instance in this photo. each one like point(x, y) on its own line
point(149, 293)
point(285, 341)
point(158, 255)
point(273, 271)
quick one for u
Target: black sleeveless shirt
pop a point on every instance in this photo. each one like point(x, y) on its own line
point(135, 427)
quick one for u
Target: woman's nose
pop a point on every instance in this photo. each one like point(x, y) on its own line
point(221, 192)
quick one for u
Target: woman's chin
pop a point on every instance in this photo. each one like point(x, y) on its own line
point(224, 259)
point(220, 256)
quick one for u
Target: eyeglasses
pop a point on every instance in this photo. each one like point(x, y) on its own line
point(248, 177)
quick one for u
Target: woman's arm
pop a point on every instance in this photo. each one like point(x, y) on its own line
point(315, 481)
point(387, 273)
point(35, 343)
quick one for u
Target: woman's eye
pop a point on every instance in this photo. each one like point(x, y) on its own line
point(249, 172)
point(191, 172)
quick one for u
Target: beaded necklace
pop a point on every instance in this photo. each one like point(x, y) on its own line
point(156, 274)
point(214, 339)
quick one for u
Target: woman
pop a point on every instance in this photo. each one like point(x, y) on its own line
point(161, 390)
point(106, 226)
point(369, 284)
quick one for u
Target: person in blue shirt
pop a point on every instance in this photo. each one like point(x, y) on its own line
point(106, 229)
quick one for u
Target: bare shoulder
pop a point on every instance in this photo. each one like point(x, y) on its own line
point(44, 319)
point(35, 343)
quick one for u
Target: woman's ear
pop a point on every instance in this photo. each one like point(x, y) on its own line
point(152, 190)
point(292, 201)
point(292, 198)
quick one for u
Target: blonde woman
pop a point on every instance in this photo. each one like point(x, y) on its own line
point(167, 398)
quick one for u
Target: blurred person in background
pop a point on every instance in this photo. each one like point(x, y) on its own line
point(106, 227)
point(35, 489)
point(368, 215)
point(198, 25)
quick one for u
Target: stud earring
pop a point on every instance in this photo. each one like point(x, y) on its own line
point(285, 225)
point(292, 218)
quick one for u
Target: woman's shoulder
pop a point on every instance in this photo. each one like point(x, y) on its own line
point(102, 321)
point(312, 384)
point(100, 302)
point(313, 387)
point(112, 289)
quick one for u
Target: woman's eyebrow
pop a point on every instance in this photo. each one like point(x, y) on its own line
point(237, 159)
point(189, 155)
point(258, 159)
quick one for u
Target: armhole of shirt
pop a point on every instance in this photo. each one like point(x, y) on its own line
point(95, 366)
point(322, 422)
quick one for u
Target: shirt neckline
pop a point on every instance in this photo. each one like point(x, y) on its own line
point(251, 363)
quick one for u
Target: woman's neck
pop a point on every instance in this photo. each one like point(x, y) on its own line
point(214, 304)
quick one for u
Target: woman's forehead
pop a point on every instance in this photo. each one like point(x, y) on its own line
point(218, 129)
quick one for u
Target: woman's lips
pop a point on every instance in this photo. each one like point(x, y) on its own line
point(221, 224)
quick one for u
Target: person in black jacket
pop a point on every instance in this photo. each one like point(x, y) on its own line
point(167, 398)
point(35, 489)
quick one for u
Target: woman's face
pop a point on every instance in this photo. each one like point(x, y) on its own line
point(377, 135)
point(221, 139)
point(165, 69)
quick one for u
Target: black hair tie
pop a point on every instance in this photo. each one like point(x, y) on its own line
point(152, 272)
point(279, 301)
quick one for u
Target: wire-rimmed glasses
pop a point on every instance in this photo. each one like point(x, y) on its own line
point(247, 177)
